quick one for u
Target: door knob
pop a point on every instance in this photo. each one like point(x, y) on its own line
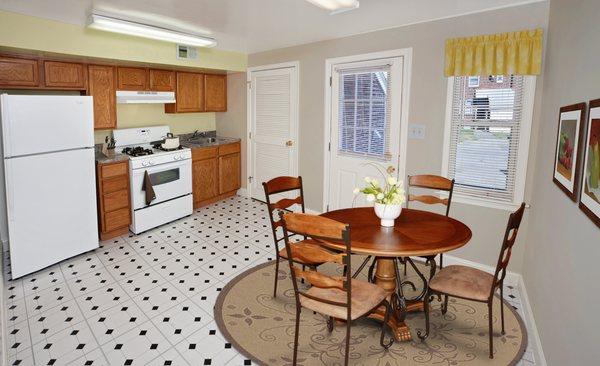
point(391, 169)
point(289, 143)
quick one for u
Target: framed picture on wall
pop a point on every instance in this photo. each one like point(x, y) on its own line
point(567, 155)
point(590, 187)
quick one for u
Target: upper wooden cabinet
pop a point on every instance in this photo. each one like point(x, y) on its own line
point(132, 78)
point(162, 80)
point(64, 75)
point(189, 94)
point(102, 86)
point(215, 93)
point(18, 72)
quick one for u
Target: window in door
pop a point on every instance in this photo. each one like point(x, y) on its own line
point(364, 111)
point(487, 137)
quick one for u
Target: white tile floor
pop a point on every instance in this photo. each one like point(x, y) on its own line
point(146, 299)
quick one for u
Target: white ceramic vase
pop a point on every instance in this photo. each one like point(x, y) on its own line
point(387, 213)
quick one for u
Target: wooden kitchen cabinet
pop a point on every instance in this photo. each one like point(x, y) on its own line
point(215, 93)
point(18, 72)
point(102, 86)
point(114, 201)
point(162, 80)
point(132, 78)
point(189, 94)
point(64, 75)
point(215, 173)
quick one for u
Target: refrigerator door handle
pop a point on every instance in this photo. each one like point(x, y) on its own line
point(9, 191)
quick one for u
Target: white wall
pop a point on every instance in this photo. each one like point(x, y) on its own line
point(561, 264)
point(427, 106)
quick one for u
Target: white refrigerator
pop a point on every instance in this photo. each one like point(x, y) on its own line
point(49, 175)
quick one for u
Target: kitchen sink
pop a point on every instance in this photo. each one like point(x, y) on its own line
point(202, 140)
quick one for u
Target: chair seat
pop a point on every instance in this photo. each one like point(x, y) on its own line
point(462, 281)
point(365, 296)
point(306, 242)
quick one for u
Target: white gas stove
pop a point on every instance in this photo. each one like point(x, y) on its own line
point(160, 180)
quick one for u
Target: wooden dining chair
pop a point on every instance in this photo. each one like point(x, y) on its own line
point(343, 298)
point(284, 185)
point(434, 182)
point(473, 284)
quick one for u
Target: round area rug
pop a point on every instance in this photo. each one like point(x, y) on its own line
point(262, 328)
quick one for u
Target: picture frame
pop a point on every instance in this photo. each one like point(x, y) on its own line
point(589, 201)
point(568, 149)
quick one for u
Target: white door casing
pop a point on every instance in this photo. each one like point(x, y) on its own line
point(344, 172)
point(272, 124)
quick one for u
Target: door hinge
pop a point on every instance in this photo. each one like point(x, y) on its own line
point(250, 179)
point(327, 208)
point(329, 148)
point(250, 135)
point(249, 83)
point(330, 81)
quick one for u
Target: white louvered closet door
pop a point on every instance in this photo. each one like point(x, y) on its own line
point(366, 100)
point(274, 126)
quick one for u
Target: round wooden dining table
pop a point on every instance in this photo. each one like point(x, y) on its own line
point(415, 233)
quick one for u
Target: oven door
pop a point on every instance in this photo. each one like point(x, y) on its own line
point(170, 180)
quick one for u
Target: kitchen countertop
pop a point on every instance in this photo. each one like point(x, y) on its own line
point(101, 158)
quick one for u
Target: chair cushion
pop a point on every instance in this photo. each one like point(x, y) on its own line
point(307, 242)
point(461, 281)
point(365, 296)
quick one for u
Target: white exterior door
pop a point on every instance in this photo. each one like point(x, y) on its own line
point(366, 100)
point(273, 99)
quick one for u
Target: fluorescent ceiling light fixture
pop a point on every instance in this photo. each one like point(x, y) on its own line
point(336, 6)
point(111, 24)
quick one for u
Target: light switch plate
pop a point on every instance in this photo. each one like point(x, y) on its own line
point(416, 131)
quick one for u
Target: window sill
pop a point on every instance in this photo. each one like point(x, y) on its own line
point(469, 200)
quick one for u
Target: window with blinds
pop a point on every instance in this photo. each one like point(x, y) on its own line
point(364, 115)
point(486, 124)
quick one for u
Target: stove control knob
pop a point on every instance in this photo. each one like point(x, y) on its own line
point(150, 162)
point(144, 163)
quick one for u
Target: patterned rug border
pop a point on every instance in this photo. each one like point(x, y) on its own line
point(223, 329)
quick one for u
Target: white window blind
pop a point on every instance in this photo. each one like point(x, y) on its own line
point(364, 112)
point(486, 123)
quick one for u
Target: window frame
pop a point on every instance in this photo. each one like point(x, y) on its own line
point(522, 152)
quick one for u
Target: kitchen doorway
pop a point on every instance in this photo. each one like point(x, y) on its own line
point(366, 122)
point(272, 124)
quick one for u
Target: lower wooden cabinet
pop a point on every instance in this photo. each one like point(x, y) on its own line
point(215, 173)
point(114, 201)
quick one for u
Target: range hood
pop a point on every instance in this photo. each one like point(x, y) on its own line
point(144, 97)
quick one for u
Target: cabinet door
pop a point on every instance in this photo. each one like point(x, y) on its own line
point(189, 94)
point(229, 173)
point(16, 72)
point(215, 93)
point(162, 80)
point(102, 87)
point(205, 180)
point(64, 75)
point(132, 78)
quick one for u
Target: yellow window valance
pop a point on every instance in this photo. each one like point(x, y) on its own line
point(518, 53)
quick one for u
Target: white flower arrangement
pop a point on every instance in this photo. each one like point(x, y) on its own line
point(391, 193)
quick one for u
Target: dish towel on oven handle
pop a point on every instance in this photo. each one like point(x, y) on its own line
point(148, 189)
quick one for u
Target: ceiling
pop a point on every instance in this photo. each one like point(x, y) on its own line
point(257, 25)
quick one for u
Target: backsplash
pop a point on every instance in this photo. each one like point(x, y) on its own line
point(142, 115)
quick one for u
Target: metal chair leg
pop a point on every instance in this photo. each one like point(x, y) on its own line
point(296, 335)
point(348, 323)
point(276, 277)
point(303, 269)
point(330, 323)
point(491, 330)
point(370, 277)
point(423, 336)
point(502, 306)
point(441, 260)
point(445, 305)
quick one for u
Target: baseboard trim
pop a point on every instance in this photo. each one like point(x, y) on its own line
point(242, 192)
point(540, 359)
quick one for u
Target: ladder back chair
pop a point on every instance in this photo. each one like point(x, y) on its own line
point(473, 284)
point(434, 182)
point(343, 298)
point(284, 185)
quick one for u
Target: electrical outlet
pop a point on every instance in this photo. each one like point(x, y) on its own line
point(416, 131)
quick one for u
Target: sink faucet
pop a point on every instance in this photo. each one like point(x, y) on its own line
point(198, 134)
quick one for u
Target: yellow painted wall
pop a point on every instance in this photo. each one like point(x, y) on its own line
point(142, 115)
point(32, 33)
